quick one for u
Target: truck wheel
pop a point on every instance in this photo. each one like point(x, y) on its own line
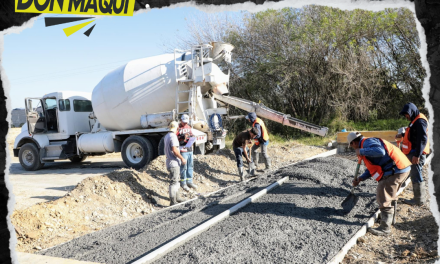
point(155, 145)
point(137, 152)
point(78, 159)
point(29, 157)
point(161, 148)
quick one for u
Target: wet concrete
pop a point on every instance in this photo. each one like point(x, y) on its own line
point(300, 222)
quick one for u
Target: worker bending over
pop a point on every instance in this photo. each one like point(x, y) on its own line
point(261, 140)
point(415, 145)
point(241, 150)
point(386, 164)
point(184, 132)
point(173, 161)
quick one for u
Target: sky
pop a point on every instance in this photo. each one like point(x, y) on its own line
point(41, 60)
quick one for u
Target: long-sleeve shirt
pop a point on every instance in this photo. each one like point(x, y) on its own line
point(374, 150)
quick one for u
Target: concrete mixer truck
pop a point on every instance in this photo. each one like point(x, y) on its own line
point(130, 108)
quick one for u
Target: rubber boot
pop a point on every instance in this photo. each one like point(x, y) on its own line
point(191, 185)
point(386, 220)
point(419, 194)
point(394, 205)
point(179, 198)
point(184, 186)
point(268, 164)
point(173, 193)
point(254, 164)
point(243, 173)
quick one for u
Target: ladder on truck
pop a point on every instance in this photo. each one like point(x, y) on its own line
point(200, 55)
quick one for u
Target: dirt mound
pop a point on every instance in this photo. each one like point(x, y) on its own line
point(102, 201)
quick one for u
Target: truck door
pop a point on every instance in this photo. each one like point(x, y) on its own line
point(36, 116)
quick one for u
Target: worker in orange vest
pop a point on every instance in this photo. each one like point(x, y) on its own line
point(261, 140)
point(389, 167)
point(415, 145)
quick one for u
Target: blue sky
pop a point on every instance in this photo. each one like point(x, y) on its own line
point(41, 59)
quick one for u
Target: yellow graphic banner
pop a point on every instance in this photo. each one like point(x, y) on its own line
point(80, 7)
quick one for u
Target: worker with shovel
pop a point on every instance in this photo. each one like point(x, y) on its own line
point(415, 145)
point(261, 140)
point(241, 150)
point(386, 164)
point(173, 162)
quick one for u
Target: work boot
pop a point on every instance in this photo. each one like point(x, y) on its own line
point(268, 164)
point(173, 194)
point(419, 194)
point(254, 164)
point(179, 198)
point(243, 173)
point(386, 219)
point(184, 186)
point(191, 185)
point(394, 205)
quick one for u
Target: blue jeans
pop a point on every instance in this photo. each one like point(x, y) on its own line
point(416, 170)
point(239, 154)
point(186, 171)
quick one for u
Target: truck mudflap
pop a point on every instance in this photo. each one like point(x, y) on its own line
point(201, 137)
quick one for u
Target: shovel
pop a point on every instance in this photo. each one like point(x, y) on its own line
point(350, 202)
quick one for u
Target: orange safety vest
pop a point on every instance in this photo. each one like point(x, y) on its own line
point(395, 154)
point(406, 144)
point(264, 133)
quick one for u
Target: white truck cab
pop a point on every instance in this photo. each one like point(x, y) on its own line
point(52, 122)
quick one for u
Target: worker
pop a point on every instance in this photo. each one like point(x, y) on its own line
point(173, 161)
point(261, 140)
point(241, 150)
point(386, 164)
point(415, 145)
point(184, 133)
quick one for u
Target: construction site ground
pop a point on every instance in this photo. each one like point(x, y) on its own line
point(100, 193)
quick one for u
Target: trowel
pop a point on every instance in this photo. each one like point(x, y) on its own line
point(350, 202)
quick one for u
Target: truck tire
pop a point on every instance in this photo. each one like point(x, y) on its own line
point(161, 148)
point(137, 152)
point(78, 159)
point(154, 142)
point(29, 157)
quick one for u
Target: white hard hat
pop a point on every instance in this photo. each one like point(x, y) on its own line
point(352, 136)
point(173, 126)
point(184, 118)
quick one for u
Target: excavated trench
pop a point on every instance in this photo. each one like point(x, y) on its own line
point(299, 222)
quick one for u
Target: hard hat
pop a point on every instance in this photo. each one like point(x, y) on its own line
point(184, 118)
point(352, 136)
point(173, 126)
